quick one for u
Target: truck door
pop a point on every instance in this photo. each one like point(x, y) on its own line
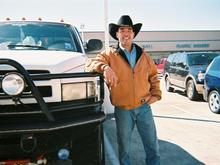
point(181, 70)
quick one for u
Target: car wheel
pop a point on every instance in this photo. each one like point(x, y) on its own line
point(214, 102)
point(89, 149)
point(167, 85)
point(191, 90)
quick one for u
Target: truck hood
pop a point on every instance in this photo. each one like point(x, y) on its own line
point(53, 61)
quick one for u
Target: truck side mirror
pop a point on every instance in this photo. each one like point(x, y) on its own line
point(93, 44)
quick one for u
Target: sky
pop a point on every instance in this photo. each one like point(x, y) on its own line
point(155, 15)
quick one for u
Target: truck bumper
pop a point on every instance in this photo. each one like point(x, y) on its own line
point(37, 139)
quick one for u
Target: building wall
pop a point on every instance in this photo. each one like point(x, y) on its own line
point(161, 43)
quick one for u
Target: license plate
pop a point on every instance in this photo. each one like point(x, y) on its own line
point(15, 162)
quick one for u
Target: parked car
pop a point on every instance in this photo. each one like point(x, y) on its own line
point(50, 109)
point(185, 71)
point(160, 66)
point(212, 85)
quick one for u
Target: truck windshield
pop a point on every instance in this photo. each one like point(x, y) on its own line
point(37, 36)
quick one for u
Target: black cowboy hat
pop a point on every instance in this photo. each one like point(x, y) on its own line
point(125, 20)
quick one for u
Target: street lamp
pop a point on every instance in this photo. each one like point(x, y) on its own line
point(106, 23)
point(82, 26)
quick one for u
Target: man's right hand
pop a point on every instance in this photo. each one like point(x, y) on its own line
point(110, 76)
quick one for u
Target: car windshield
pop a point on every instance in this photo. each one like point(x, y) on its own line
point(37, 36)
point(201, 58)
point(215, 66)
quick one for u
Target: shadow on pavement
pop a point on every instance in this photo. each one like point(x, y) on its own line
point(171, 154)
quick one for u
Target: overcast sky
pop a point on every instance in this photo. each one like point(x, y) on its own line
point(154, 14)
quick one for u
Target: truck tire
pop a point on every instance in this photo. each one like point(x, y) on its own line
point(191, 92)
point(167, 85)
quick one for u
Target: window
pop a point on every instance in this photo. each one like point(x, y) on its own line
point(201, 58)
point(215, 65)
point(38, 36)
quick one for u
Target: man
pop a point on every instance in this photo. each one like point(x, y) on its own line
point(131, 76)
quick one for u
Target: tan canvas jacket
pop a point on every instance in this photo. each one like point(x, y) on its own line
point(135, 86)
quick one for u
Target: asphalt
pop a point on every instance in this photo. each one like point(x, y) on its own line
point(171, 154)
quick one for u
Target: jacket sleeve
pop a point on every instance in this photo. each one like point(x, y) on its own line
point(98, 63)
point(153, 79)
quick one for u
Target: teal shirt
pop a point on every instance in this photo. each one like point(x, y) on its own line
point(131, 56)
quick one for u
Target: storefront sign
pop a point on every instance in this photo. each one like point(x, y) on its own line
point(192, 46)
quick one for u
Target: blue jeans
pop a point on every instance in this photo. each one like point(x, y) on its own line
point(125, 122)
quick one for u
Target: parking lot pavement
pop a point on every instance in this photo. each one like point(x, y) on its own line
point(188, 133)
point(170, 153)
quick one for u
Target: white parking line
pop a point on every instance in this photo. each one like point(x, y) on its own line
point(187, 112)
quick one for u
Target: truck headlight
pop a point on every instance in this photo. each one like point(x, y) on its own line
point(13, 84)
point(80, 90)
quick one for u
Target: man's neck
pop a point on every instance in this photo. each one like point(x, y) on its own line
point(126, 46)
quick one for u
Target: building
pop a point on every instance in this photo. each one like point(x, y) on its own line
point(161, 43)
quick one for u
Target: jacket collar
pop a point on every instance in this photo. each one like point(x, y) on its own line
point(121, 52)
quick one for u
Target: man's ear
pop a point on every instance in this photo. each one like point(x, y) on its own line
point(117, 34)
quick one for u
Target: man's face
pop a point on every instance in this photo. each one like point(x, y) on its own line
point(125, 35)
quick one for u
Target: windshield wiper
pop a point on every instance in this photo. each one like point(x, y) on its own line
point(11, 46)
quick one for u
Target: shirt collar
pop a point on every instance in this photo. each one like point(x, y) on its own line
point(125, 50)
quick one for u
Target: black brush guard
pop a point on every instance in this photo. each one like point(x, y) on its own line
point(63, 122)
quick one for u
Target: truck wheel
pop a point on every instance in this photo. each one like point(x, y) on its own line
point(167, 85)
point(191, 90)
point(89, 150)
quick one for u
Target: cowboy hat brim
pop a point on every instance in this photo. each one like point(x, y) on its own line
point(113, 28)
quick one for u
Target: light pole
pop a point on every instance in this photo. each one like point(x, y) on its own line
point(82, 26)
point(106, 23)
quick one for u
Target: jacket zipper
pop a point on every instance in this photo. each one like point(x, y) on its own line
point(133, 84)
point(133, 87)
